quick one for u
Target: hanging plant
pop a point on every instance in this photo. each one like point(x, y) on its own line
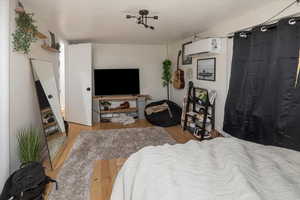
point(25, 33)
point(167, 75)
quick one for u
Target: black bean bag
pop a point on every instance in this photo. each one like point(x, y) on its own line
point(163, 118)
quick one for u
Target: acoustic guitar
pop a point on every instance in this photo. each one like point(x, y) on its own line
point(178, 81)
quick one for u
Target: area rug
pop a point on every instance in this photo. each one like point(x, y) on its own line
point(74, 177)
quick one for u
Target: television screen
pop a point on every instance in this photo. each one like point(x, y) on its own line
point(116, 82)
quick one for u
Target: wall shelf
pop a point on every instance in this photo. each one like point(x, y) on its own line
point(41, 36)
point(48, 48)
point(20, 10)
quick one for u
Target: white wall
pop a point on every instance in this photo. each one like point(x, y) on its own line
point(4, 88)
point(24, 110)
point(148, 58)
point(223, 65)
point(219, 85)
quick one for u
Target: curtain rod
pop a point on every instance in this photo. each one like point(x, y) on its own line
point(270, 20)
point(269, 23)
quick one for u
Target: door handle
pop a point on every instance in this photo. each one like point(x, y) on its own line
point(88, 89)
point(50, 96)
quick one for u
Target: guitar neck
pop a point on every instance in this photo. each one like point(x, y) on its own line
point(178, 58)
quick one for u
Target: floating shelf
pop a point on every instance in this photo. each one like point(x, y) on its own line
point(20, 10)
point(48, 48)
point(127, 110)
point(41, 36)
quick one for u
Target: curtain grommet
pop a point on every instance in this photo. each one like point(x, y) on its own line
point(263, 29)
point(292, 21)
point(243, 35)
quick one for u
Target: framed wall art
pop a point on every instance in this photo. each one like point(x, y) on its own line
point(206, 69)
point(186, 60)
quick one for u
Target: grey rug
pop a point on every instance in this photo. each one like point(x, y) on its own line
point(74, 177)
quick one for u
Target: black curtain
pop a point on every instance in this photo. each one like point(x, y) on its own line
point(263, 103)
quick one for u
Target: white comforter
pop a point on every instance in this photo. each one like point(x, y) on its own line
point(221, 169)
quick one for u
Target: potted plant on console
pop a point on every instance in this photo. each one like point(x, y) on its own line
point(106, 105)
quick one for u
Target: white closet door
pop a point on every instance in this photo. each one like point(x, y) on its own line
point(44, 72)
point(79, 84)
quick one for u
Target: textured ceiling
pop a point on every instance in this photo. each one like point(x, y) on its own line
point(104, 20)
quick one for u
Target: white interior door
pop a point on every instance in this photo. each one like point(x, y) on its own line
point(79, 84)
point(44, 72)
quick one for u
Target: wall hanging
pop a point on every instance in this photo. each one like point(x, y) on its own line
point(178, 81)
point(186, 60)
point(206, 69)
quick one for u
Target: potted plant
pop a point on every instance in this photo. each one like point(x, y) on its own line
point(167, 75)
point(105, 104)
point(29, 141)
point(25, 32)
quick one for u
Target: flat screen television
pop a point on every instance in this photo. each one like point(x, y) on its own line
point(116, 82)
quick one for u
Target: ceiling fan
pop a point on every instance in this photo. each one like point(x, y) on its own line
point(142, 18)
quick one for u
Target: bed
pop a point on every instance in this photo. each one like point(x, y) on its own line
point(220, 169)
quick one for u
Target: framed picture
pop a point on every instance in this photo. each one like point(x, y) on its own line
point(186, 60)
point(206, 69)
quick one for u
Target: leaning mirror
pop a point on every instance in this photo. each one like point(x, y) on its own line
point(52, 120)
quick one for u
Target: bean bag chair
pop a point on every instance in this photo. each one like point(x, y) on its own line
point(166, 118)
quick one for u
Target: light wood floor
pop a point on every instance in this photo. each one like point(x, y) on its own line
point(105, 171)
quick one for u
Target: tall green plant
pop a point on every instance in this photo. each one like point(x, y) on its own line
point(25, 32)
point(167, 75)
point(29, 145)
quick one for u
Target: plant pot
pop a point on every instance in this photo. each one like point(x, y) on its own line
point(106, 108)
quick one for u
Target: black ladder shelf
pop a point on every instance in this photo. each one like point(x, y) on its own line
point(199, 113)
